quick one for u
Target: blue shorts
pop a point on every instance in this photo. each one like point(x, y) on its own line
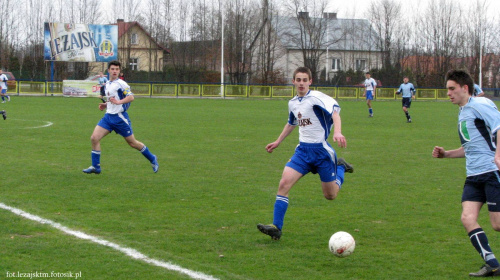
point(4, 91)
point(483, 188)
point(120, 123)
point(315, 158)
point(369, 95)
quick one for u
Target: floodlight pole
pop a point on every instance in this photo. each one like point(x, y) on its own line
point(222, 54)
point(480, 63)
point(327, 76)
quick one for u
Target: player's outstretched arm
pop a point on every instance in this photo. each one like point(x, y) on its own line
point(440, 152)
point(337, 130)
point(497, 154)
point(286, 131)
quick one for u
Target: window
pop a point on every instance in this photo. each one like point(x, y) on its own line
point(134, 64)
point(71, 67)
point(360, 64)
point(336, 64)
point(134, 39)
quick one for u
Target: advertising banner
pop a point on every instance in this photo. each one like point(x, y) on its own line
point(81, 88)
point(80, 42)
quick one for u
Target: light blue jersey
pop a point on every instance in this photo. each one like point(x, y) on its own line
point(478, 123)
point(408, 90)
point(102, 81)
point(477, 90)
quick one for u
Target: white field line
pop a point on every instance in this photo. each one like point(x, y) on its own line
point(127, 251)
point(46, 124)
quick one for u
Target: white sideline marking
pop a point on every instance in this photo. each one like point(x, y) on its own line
point(127, 251)
point(46, 123)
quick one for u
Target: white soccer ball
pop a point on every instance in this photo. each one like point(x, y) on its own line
point(341, 244)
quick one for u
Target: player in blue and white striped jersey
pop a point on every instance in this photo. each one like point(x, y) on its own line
point(3, 86)
point(408, 91)
point(314, 113)
point(478, 125)
point(118, 97)
point(370, 89)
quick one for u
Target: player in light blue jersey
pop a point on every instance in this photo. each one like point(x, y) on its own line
point(102, 83)
point(478, 92)
point(116, 119)
point(3, 87)
point(478, 125)
point(408, 91)
point(314, 113)
point(370, 89)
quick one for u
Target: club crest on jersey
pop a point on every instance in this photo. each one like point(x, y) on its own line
point(303, 122)
point(463, 132)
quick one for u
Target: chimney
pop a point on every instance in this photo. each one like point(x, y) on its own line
point(303, 15)
point(120, 20)
point(330, 15)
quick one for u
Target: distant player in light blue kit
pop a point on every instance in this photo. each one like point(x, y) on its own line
point(478, 125)
point(478, 92)
point(3, 86)
point(370, 89)
point(118, 98)
point(102, 83)
point(408, 91)
point(314, 113)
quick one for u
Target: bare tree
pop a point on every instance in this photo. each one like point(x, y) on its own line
point(385, 16)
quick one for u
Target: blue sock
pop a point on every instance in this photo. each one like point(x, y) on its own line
point(280, 207)
point(371, 111)
point(480, 242)
point(96, 159)
point(146, 153)
point(340, 175)
point(3, 98)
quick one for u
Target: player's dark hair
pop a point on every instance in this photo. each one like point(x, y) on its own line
point(461, 77)
point(115, 63)
point(303, 70)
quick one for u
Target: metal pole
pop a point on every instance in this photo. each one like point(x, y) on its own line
point(222, 55)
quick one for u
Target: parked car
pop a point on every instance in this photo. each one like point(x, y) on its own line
point(93, 78)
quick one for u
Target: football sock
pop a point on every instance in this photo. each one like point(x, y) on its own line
point(407, 115)
point(340, 175)
point(280, 207)
point(480, 242)
point(146, 153)
point(371, 111)
point(3, 98)
point(96, 159)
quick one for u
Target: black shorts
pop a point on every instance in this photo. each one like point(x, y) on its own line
point(483, 188)
point(103, 93)
point(407, 102)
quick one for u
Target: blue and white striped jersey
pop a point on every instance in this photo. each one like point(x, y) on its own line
point(370, 84)
point(313, 114)
point(119, 89)
point(408, 90)
point(478, 123)
point(3, 81)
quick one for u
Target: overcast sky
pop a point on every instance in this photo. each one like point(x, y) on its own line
point(359, 8)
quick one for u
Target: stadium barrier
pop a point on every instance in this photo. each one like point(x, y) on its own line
point(55, 88)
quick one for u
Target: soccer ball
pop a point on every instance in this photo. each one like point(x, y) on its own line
point(341, 244)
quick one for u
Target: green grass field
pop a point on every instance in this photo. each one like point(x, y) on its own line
point(216, 182)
